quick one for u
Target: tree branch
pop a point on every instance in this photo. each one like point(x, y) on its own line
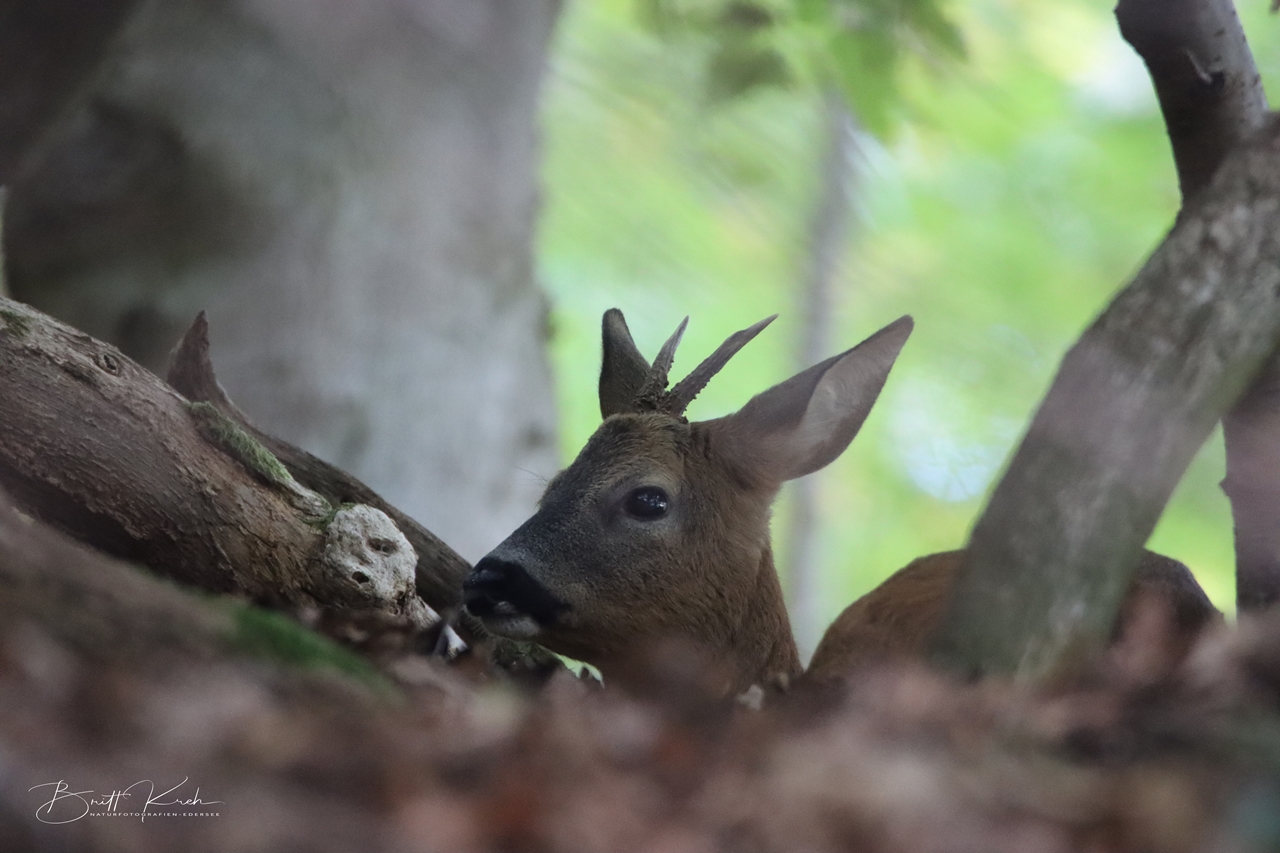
point(1052, 554)
point(95, 444)
point(439, 572)
point(1209, 105)
point(1204, 76)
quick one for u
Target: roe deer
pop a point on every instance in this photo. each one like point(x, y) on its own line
point(660, 527)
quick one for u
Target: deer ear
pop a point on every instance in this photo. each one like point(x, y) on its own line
point(803, 424)
point(622, 368)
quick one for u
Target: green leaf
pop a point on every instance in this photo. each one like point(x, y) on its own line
point(740, 15)
point(865, 63)
point(738, 67)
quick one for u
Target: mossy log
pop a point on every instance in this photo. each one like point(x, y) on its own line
point(98, 446)
point(439, 570)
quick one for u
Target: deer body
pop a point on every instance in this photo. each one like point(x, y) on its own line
point(660, 527)
point(897, 619)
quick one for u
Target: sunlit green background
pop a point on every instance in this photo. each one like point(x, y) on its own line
point(1007, 195)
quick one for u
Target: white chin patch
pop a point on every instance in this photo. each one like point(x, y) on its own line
point(520, 627)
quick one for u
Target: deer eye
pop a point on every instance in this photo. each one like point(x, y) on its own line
point(647, 502)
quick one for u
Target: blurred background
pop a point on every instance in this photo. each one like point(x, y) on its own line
point(405, 218)
point(1005, 178)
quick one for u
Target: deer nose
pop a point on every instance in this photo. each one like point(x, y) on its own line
point(498, 588)
point(488, 586)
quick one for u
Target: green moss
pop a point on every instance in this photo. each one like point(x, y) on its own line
point(15, 323)
point(322, 522)
point(517, 656)
point(274, 637)
point(218, 429)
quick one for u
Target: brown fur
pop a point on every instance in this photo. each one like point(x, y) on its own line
point(896, 620)
point(705, 574)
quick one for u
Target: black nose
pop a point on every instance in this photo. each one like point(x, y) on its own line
point(486, 586)
point(498, 587)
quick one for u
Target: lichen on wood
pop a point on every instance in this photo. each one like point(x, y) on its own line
point(439, 571)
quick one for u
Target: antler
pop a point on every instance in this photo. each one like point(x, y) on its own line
point(686, 389)
point(653, 395)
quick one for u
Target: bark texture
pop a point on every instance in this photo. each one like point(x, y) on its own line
point(349, 190)
point(1050, 557)
point(1212, 96)
point(95, 444)
point(1204, 76)
point(439, 570)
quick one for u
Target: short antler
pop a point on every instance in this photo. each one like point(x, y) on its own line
point(652, 395)
point(686, 389)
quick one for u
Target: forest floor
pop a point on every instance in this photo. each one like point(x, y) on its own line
point(121, 729)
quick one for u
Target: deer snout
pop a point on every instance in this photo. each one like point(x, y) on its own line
point(507, 599)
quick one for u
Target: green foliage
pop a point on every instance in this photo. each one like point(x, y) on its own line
point(859, 47)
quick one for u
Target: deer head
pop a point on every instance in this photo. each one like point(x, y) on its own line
point(660, 527)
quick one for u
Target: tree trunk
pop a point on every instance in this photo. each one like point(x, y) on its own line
point(1051, 556)
point(48, 50)
point(828, 238)
point(349, 190)
point(1211, 96)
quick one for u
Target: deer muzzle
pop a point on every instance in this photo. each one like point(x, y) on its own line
point(508, 601)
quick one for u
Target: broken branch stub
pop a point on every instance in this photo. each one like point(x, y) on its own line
point(1051, 555)
point(440, 570)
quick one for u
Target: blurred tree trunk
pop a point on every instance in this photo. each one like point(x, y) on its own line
point(828, 239)
point(4, 287)
point(349, 190)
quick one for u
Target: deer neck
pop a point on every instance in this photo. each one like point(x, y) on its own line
point(764, 649)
